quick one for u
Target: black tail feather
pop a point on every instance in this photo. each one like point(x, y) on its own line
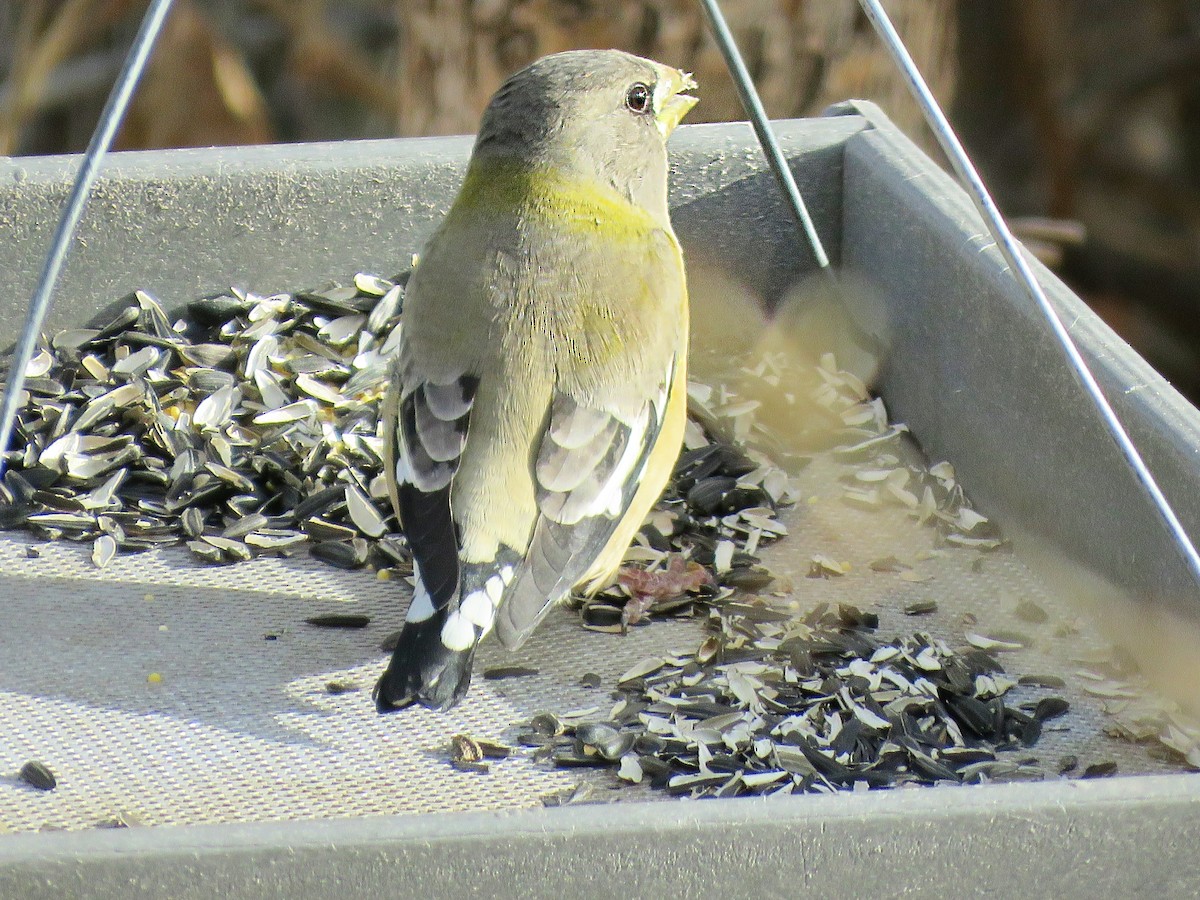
point(424, 670)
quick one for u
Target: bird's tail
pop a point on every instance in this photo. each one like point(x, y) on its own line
point(424, 670)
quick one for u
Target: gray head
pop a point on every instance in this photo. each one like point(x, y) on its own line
point(599, 115)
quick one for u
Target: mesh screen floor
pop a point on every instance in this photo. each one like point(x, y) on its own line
point(242, 728)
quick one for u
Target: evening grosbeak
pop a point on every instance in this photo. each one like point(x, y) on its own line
point(538, 400)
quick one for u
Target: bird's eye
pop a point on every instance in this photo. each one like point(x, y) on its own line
point(638, 98)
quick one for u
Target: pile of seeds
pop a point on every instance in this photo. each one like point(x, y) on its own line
point(1136, 713)
point(770, 703)
point(249, 426)
point(736, 471)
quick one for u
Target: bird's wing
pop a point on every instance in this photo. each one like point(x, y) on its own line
point(424, 435)
point(588, 467)
point(423, 444)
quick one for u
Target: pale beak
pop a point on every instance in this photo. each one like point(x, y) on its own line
point(669, 101)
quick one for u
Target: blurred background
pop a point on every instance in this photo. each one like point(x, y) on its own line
point(1083, 115)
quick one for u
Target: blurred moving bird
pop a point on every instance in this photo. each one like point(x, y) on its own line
point(538, 401)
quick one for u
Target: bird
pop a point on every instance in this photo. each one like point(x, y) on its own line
point(537, 403)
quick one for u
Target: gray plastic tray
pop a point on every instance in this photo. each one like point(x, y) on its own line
point(966, 363)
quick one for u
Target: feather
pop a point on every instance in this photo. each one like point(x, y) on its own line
point(562, 468)
point(439, 674)
point(577, 524)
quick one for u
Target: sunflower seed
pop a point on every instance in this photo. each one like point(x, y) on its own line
point(1049, 681)
point(96, 368)
point(275, 539)
point(230, 477)
point(324, 530)
point(209, 381)
point(74, 338)
point(498, 673)
point(338, 554)
point(216, 410)
point(292, 412)
point(101, 407)
point(339, 620)
point(38, 775)
point(1050, 708)
point(104, 549)
point(385, 310)
point(40, 364)
point(216, 311)
point(372, 285)
point(630, 769)
point(342, 330)
point(319, 390)
point(647, 666)
point(244, 526)
point(986, 643)
point(64, 521)
point(363, 514)
point(921, 608)
point(230, 549)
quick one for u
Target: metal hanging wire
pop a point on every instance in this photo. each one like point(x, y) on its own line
point(102, 138)
point(762, 127)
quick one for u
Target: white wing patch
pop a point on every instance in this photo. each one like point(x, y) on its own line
point(425, 436)
point(577, 425)
point(421, 607)
point(403, 473)
point(439, 438)
point(495, 589)
point(458, 633)
point(446, 401)
point(587, 459)
point(478, 609)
